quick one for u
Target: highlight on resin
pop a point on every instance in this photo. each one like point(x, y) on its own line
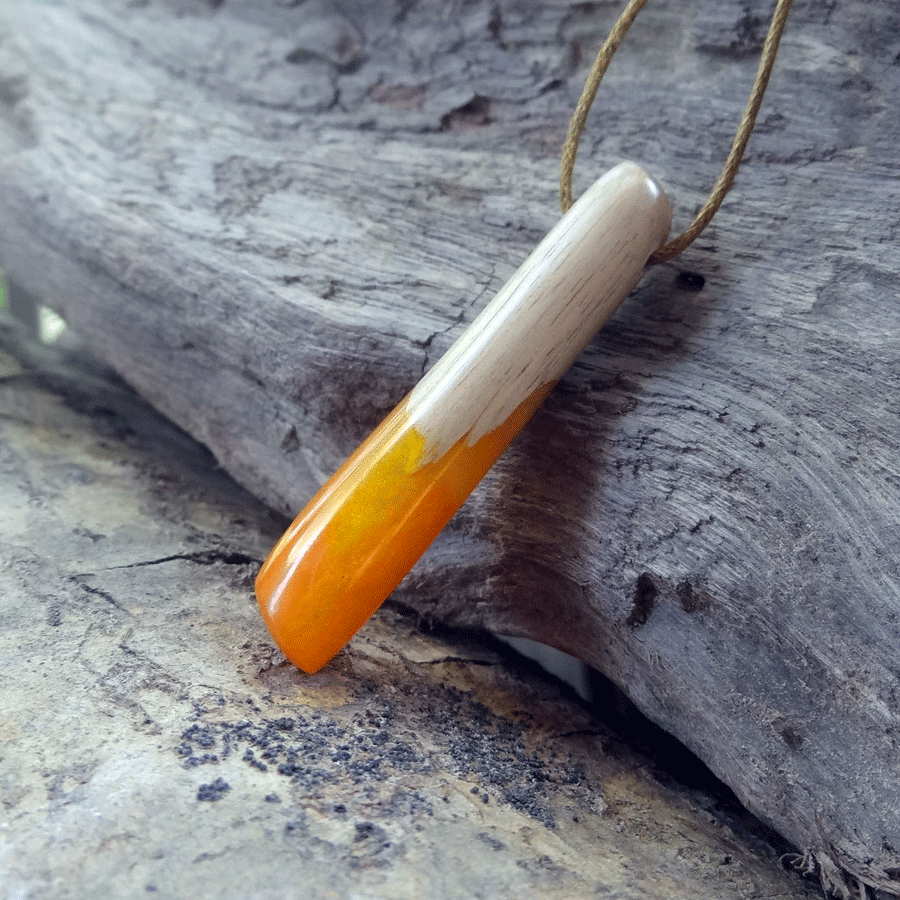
point(370, 523)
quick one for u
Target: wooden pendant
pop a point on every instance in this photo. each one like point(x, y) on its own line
point(369, 524)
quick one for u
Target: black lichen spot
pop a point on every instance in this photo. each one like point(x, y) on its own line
point(541, 864)
point(197, 736)
point(644, 602)
point(369, 845)
point(492, 842)
point(526, 800)
point(216, 790)
point(789, 735)
point(193, 761)
point(691, 598)
point(250, 758)
point(685, 594)
point(495, 25)
point(291, 442)
point(200, 736)
point(690, 281)
point(470, 115)
point(749, 37)
point(311, 751)
point(366, 830)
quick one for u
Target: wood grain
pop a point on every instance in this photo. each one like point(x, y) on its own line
point(541, 319)
point(272, 219)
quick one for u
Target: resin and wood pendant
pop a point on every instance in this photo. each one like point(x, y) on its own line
point(370, 523)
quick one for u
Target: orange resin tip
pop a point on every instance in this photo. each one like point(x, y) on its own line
point(370, 523)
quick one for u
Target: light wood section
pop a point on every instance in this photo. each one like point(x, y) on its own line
point(530, 333)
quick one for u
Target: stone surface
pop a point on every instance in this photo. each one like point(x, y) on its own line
point(152, 741)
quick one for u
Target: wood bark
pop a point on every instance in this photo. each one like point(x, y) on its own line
point(271, 218)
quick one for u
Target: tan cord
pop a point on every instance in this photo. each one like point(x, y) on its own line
point(579, 117)
point(732, 163)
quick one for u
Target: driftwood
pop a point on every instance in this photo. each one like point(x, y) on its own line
point(154, 743)
point(271, 218)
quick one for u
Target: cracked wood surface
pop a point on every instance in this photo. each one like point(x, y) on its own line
point(272, 218)
point(154, 743)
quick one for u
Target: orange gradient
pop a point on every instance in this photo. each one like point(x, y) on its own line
point(365, 529)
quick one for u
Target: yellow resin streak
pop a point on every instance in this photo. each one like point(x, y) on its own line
point(365, 529)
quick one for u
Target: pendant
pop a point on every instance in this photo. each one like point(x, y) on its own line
point(370, 523)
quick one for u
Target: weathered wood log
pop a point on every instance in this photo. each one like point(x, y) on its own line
point(271, 219)
point(154, 742)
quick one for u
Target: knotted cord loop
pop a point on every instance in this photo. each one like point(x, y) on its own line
point(739, 144)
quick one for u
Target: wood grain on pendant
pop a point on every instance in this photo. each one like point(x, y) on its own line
point(369, 524)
